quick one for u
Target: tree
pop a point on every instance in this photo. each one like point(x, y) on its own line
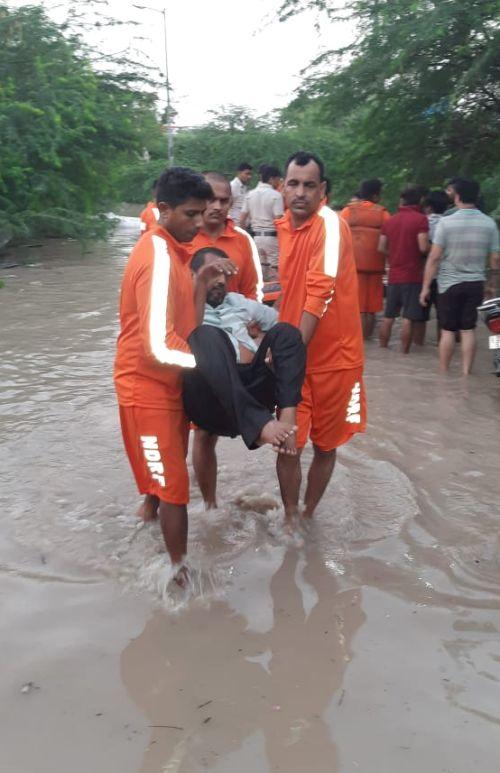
point(66, 129)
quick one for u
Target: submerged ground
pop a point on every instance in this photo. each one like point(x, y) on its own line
point(371, 645)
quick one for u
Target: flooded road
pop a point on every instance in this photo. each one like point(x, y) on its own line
point(371, 645)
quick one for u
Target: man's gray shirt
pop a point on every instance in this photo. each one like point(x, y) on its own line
point(467, 238)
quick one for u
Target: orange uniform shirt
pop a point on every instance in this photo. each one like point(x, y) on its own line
point(366, 219)
point(157, 315)
point(318, 275)
point(149, 216)
point(242, 250)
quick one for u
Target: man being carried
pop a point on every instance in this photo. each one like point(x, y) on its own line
point(462, 245)
point(218, 231)
point(366, 218)
point(239, 189)
point(157, 315)
point(320, 296)
point(246, 365)
point(261, 208)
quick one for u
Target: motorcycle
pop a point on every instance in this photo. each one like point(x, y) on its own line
point(490, 314)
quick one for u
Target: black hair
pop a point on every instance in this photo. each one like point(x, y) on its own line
point(370, 188)
point(243, 166)
point(438, 201)
point(302, 158)
point(268, 172)
point(467, 191)
point(178, 184)
point(328, 186)
point(155, 183)
point(412, 196)
point(452, 182)
point(199, 256)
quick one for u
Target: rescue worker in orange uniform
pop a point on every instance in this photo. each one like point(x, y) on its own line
point(366, 218)
point(219, 231)
point(157, 314)
point(150, 214)
point(320, 296)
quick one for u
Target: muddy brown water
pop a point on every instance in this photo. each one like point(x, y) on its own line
point(372, 644)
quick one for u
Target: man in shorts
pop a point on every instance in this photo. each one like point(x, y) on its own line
point(366, 217)
point(157, 316)
point(462, 245)
point(320, 297)
point(405, 239)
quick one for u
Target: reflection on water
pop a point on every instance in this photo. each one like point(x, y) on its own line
point(409, 529)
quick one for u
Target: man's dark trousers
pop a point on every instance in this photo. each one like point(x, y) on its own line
point(229, 399)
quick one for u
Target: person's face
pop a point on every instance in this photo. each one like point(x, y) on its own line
point(218, 207)
point(217, 287)
point(245, 176)
point(276, 183)
point(450, 192)
point(183, 221)
point(303, 190)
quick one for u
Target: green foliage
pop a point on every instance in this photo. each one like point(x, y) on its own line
point(67, 130)
point(417, 95)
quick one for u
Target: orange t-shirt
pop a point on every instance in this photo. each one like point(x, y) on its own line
point(149, 216)
point(318, 275)
point(242, 250)
point(366, 219)
point(157, 314)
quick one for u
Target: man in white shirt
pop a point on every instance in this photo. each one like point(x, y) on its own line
point(247, 364)
point(261, 208)
point(239, 189)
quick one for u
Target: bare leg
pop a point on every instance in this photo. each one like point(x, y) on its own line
point(446, 348)
point(418, 334)
point(290, 478)
point(319, 475)
point(205, 466)
point(289, 446)
point(174, 525)
point(384, 335)
point(368, 324)
point(468, 342)
point(406, 335)
point(148, 511)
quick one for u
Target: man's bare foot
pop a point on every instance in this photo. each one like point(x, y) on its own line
point(289, 524)
point(288, 446)
point(307, 513)
point(275, 433)
point(148, 511)
point(182, 577)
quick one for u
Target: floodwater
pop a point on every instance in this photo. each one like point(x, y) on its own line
point(371, 644)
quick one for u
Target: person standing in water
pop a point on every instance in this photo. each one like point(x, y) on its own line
point(320, 297)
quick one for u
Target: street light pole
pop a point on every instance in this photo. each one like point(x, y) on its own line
point(170, 128)
point(169, 116)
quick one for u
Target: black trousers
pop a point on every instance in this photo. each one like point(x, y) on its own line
point(229, 399)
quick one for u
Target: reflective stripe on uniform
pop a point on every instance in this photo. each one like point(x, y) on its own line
point(256, 262)
point(332, 241)
point(158, 310)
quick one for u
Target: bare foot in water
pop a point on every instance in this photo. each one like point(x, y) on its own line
point(148, 511)
point(181, 577)
point(275, 433)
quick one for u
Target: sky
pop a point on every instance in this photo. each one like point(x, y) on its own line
point(219, 53)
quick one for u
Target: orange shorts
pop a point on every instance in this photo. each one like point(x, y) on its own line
point(370, 292)
point(156, 442)
point(333, 408)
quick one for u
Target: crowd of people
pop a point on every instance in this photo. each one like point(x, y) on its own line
point(198, 347)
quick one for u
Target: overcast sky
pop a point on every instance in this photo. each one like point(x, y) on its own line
point(220, 53)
